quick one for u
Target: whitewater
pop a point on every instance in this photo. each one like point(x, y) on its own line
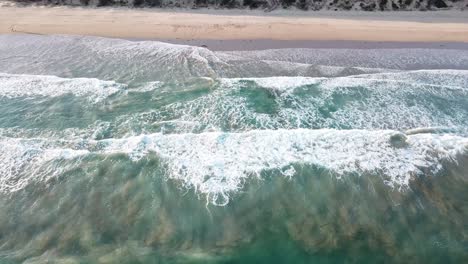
point(125, 136)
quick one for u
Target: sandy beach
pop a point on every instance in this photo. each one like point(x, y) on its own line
point(157, 24)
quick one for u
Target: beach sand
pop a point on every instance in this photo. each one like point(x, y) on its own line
point(189, 26)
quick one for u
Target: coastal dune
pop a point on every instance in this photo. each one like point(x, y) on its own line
point(151, 24)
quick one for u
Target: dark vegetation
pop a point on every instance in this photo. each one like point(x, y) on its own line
point(365, 5)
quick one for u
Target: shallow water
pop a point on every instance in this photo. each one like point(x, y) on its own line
point(144, 152)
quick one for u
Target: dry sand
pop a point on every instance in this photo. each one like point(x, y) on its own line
point(150, 24)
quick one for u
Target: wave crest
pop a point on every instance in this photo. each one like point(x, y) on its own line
point(30, 86)
point(217, 164)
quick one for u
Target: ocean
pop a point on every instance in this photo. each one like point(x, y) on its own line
point(120, 151)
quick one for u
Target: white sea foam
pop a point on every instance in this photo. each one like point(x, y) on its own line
point(428, 80)
point(147, 87)
point(456, 79)
point(29, 86)
point(24, 160)
point(445, 78)
point(217, 164)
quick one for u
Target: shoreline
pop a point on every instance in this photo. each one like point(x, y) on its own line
point(210, 25)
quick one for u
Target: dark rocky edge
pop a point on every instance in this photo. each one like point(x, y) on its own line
point(365, 5)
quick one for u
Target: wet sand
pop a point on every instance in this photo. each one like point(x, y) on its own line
point(157, 24)
point(263, 44)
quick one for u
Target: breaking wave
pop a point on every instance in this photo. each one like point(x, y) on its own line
point(30, 86)
point(217, 164)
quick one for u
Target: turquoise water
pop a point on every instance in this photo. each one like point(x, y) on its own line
point(116, 151)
